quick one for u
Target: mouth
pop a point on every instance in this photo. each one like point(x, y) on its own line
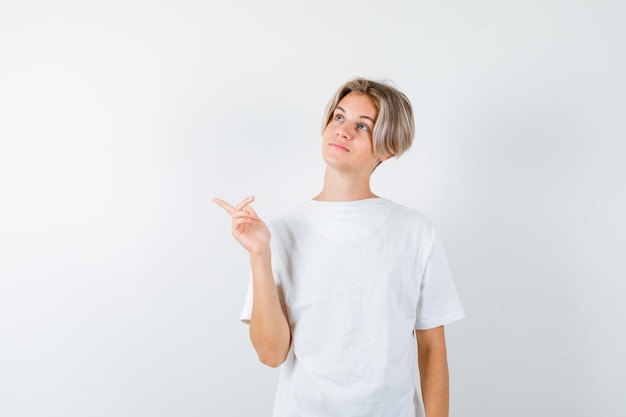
point(337, 146)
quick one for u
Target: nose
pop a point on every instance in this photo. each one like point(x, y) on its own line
point(346, 131)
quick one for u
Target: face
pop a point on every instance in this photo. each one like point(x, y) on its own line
point(347, 139)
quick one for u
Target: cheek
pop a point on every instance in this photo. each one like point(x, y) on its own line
point(328, 134)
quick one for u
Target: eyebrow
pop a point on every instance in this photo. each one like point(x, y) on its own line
point(362, 117)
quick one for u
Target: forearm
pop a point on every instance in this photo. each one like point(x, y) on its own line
point(269, 330)
point(433, 366)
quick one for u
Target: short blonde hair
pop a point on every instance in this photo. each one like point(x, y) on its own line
point(394, 127)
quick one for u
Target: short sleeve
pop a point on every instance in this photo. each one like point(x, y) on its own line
point(438, 302)
point(246, 312)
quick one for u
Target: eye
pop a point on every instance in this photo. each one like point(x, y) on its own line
point(363, 126)
point(339, 118)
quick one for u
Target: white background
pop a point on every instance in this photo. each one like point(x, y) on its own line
point(120, 285)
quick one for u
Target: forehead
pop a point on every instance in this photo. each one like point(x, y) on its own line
point(360, 104)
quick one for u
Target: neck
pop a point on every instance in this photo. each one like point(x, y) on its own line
point(341, 186)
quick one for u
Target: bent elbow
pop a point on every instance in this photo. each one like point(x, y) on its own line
point(272, 351)
point(272, 360)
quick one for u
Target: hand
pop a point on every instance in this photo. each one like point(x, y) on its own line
point(248, 229)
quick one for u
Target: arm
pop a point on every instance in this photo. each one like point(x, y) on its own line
point(433, 366)
point(269, 330)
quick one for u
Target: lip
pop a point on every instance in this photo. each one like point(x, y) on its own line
point(338, 146)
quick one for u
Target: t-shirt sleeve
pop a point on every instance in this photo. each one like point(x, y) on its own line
point(246, 312)
point(438, 302)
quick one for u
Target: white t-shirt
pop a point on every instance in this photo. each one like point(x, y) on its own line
point(355, 279)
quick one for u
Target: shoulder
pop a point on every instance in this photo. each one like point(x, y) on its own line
point(410, 218)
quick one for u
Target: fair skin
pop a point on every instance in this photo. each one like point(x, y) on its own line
point(433, 365)
point(347, 150)
point(350, 161)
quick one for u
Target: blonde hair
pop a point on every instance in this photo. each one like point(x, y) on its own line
point(394, 127)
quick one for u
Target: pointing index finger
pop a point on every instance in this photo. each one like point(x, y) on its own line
point(224, 205)
point(229, 208)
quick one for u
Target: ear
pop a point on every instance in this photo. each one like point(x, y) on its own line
point(380, 161)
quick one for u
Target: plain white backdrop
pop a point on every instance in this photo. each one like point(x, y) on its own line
point(120, 285)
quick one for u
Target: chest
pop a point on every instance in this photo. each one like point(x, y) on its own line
point(329, 284)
